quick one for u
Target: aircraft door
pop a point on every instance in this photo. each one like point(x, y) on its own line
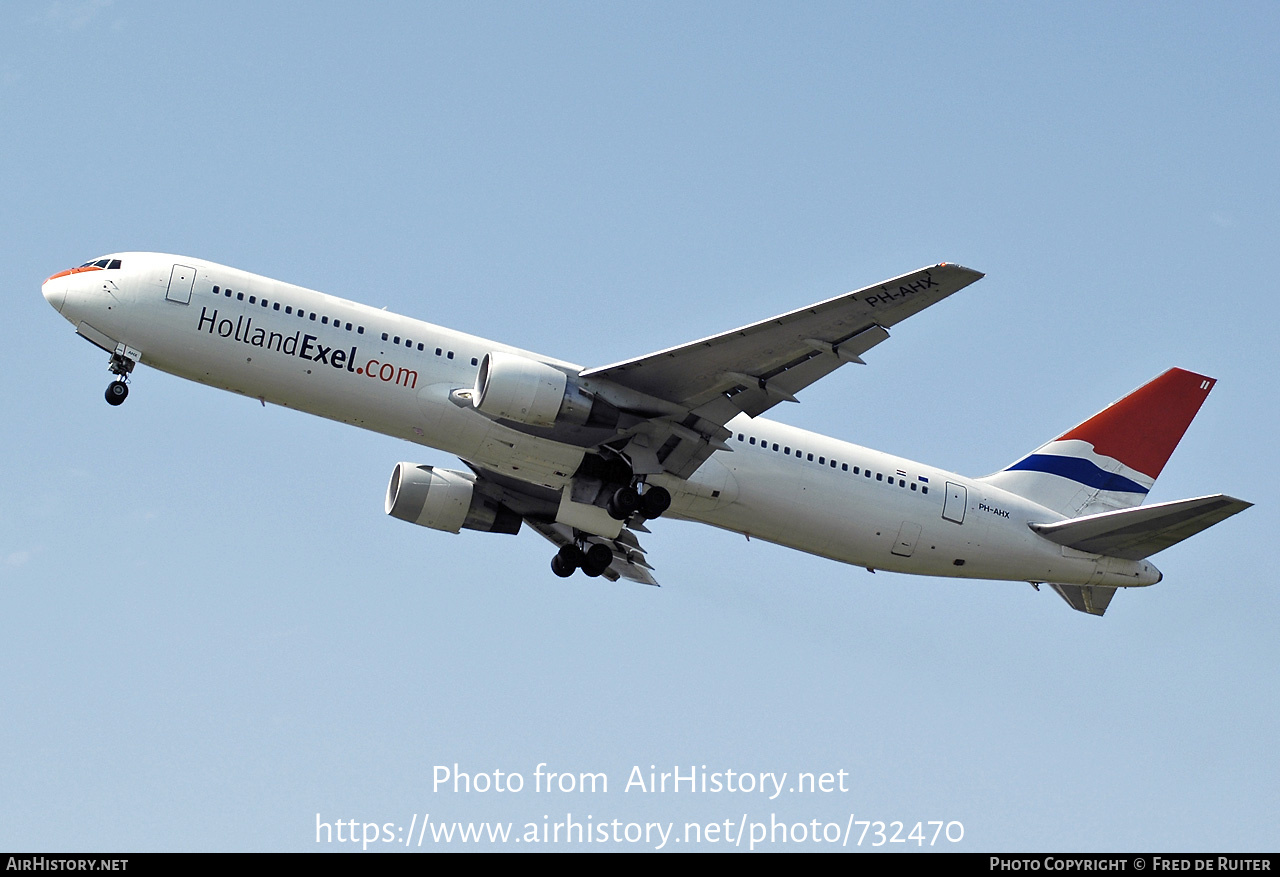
point(957, 499)
point(181, 279)
point(907, 536)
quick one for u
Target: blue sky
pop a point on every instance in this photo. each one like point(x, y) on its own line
point(211, 633)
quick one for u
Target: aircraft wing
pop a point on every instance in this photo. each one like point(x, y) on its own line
point(753, 368)
point(768, 362)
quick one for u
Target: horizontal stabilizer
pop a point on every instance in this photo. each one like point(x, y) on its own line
point(1092, 599)
point(1140, 532)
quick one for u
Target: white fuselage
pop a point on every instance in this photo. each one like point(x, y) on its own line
point(349, 362)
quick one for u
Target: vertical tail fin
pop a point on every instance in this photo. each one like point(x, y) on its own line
point(1112, 459)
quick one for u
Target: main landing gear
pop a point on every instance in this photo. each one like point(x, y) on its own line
point(593, 561)
point(635, 496)
point(626, 501)
point(118, 390)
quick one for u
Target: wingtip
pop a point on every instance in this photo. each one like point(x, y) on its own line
point(956, 266)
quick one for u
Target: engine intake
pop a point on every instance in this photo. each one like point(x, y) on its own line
point(444, 499)
point(511, 387)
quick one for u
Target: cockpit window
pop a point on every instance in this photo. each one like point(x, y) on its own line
point(95, 265)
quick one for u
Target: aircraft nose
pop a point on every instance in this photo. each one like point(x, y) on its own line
point(55, 292)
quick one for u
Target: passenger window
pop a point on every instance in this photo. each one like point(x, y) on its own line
point(312, 316)
point(775, 446)
point(475, 361)
point(276, 306)
point(450, 354)
point(384, 336)
point(913, 485)
point(348, 327)
point(845, 467)
point(239, 296)
point(879, 476)
point(822, 460)
point(360, 330)
point(215, 290)
point(252, 300)
point(924, 489)
point(324, 320)
point(752, 440)
point(439, 351)
point(419, 345)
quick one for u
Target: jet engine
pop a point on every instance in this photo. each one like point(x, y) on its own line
point(444, 499)
point(511, 387)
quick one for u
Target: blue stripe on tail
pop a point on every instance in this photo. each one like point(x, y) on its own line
point(1085, 472)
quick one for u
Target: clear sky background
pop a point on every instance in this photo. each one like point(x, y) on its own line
point(209, 630)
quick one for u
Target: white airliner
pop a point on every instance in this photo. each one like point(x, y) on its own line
point(586, 456)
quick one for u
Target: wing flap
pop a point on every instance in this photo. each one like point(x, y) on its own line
point(1135, 533)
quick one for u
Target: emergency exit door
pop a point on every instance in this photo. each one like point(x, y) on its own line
point(954, 505)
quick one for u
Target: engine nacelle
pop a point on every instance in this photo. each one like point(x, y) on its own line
point(444, 499)
point(511, 387)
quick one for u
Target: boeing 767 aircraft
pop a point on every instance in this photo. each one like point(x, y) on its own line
point(586, 456)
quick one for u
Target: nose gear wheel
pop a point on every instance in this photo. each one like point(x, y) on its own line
point(120, 365)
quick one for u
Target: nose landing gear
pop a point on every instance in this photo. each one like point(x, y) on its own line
point(122, 363)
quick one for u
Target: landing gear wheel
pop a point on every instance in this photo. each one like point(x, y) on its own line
point(571, 556)
point(655, 501)
point(567, 560)
point(623, 503)
point(117, 392)
point(597, 560)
